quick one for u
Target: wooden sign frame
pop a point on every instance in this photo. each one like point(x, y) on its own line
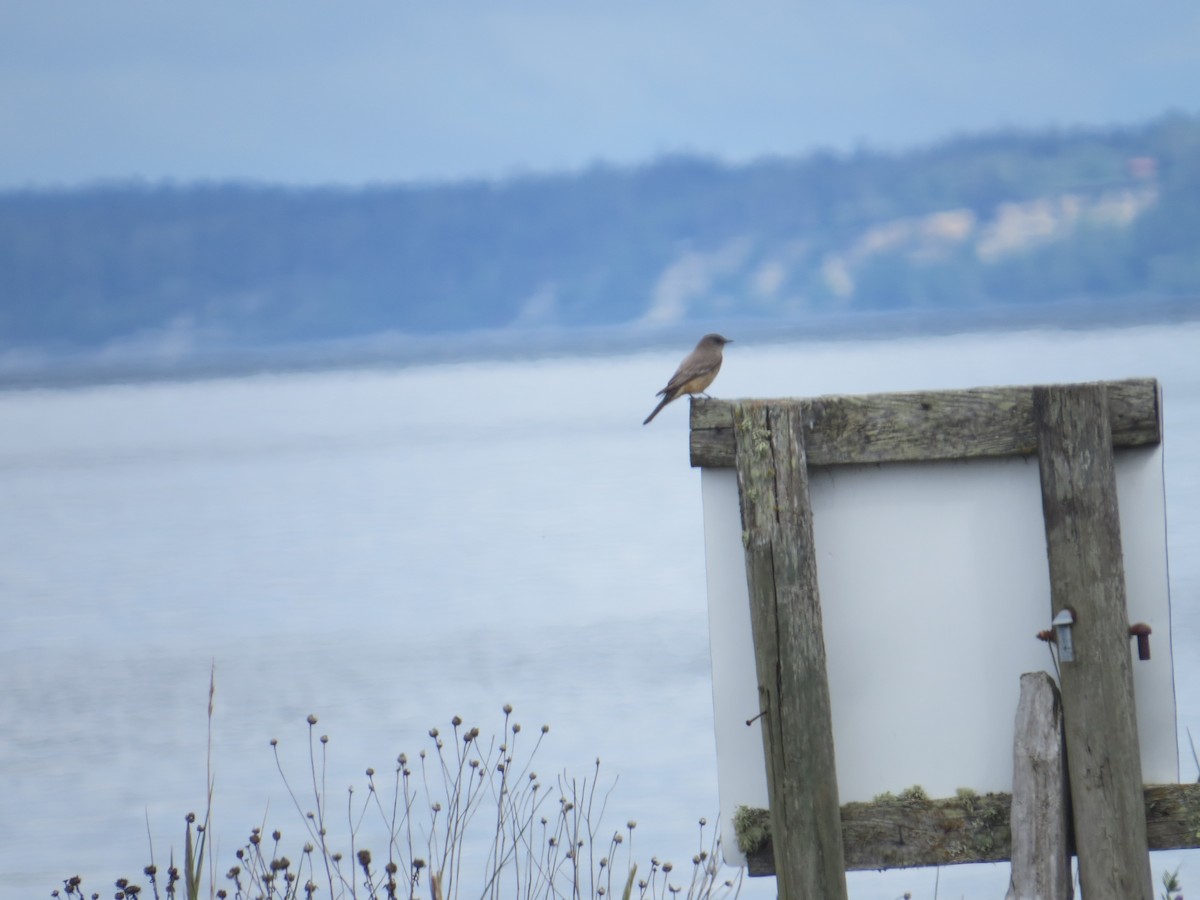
point(1072, 429)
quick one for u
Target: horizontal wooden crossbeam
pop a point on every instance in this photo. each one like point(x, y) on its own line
point(910, 830)
point(924, 426)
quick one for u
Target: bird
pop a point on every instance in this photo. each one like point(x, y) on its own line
point(695, 373)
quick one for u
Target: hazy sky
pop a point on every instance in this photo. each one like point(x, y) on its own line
point(313, 91)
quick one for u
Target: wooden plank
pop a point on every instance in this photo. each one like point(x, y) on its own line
point(789, 645)
point(923, 426)
point(909, 831)
point(1040, 819)
point(1172, 816)
point(1087, 574)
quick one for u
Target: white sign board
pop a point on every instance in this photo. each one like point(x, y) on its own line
point(934, 581)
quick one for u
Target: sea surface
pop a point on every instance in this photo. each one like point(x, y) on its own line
point(386, 548)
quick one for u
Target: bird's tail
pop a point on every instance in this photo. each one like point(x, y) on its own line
point(667, 398)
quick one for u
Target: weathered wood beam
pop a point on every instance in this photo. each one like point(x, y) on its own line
point(789, 649)
point(1041, 803)
point(1087, 577)
point(924, 425)
point(909, 830)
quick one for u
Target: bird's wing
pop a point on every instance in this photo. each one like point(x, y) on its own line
point(688, 370)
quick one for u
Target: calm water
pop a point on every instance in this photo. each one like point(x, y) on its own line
point(387, 549)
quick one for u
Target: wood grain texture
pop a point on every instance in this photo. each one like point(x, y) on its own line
point(789, 645)
point(905, 831)
point(1087, 574)
point(922, 426)
point(901, 833)
point(1040, 819)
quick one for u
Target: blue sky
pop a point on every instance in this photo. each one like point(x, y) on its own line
point(315, 92)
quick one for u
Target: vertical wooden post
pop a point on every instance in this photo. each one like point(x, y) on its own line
point(1087, 574)
point(1041, 849)
point(789, 646)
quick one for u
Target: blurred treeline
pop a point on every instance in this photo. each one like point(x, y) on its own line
point(1007, 218)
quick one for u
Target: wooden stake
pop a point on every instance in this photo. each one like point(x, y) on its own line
point(1087, 574)
point(789, 647)
point(1041, 849)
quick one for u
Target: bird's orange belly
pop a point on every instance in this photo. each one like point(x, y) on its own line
point(697, 385)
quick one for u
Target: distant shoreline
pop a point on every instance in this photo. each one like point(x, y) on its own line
point(22, 369)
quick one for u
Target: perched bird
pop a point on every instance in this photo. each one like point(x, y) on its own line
point(695, 373)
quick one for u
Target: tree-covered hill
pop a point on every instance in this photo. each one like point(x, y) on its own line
point(1009, 218)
